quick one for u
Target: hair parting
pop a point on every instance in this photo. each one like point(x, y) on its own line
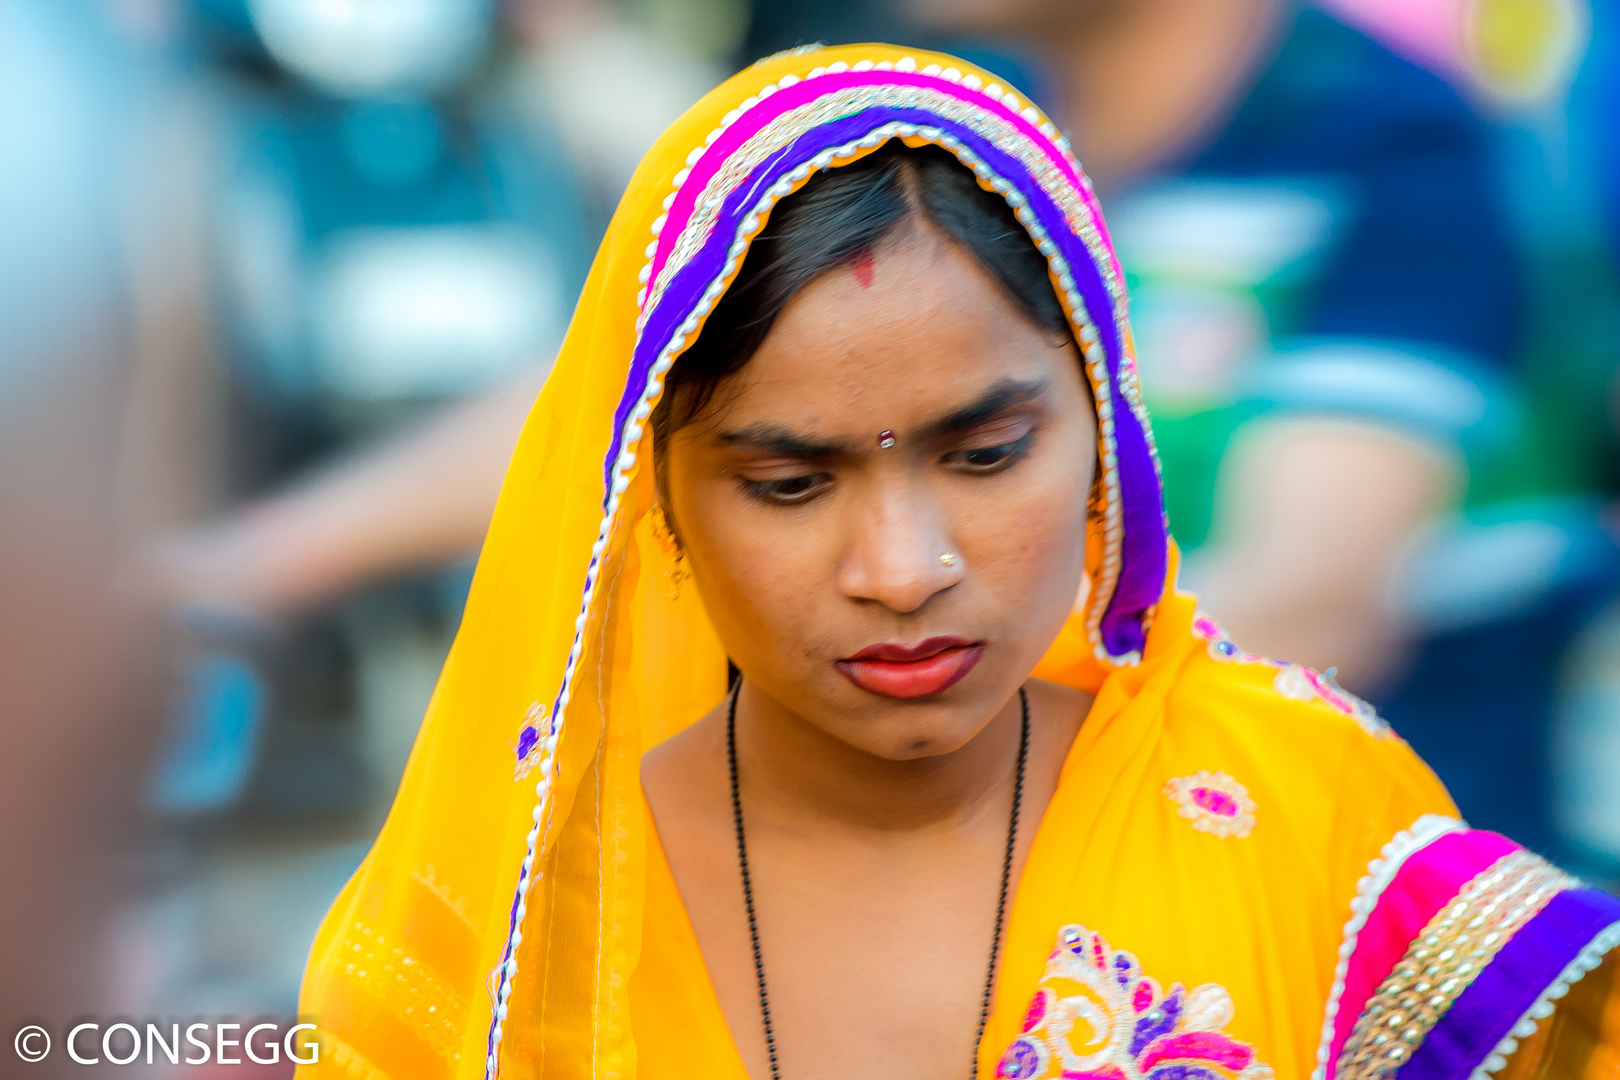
point(840, 217)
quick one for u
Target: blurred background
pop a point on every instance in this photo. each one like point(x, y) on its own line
point(280, 278)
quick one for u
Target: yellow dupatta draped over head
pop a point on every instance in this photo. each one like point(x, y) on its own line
point(495, 926)
point(507, 881)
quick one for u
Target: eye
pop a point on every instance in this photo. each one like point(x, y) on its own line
point(989, 459)
point(789, 491)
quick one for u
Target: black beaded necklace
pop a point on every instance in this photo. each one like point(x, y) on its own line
point(748, 884)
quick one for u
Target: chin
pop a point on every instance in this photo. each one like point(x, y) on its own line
point(918, 735)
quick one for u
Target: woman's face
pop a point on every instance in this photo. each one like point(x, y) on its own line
point(893, 596)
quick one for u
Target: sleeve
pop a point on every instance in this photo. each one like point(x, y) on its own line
point(1580, 1040)
point(1464, 955)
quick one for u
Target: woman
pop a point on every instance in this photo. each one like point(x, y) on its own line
point(876, 351)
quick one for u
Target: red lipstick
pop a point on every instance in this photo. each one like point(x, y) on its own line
point(912, 671)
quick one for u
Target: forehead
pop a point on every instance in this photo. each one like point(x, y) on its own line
point(916, 331)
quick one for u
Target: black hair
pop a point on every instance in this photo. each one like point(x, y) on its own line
point(836, 216)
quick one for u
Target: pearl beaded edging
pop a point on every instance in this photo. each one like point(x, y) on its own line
point(1585, 961)
point(1380, 872)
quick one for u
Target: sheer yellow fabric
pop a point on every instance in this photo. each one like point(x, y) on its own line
point(403, 977)
point(1188, 887)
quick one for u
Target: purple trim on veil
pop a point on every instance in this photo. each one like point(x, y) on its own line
point(1487, 1011)
point(1144, 546)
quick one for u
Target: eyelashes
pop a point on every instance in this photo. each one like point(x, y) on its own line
point(988, 459)
point(973, 461)
point(790, 491)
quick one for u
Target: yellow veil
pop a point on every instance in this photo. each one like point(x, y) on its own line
point(494, 925)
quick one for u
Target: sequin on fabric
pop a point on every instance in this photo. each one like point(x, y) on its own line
point(1095, 1016)
point(528, 744)
point(1223, 648)
point(1305, 684)
point(1214, 803)
point(406, 986)
point(1456, 945)
point(1294, 681)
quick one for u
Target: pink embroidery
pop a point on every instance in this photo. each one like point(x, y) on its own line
point(1303, 684)
point(1214, 803)
point(1294, 681)
point(1038, 1006)
point(1199, 1046)
point(1223, 648)
point(1095, 1016)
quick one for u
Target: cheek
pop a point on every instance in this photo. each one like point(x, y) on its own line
point(1028, 544)
point(754, 570)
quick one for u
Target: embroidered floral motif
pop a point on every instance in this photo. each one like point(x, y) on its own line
point(1294, 681)
point(1214, 803)
point(528, 744)
point(1095, 1016)
point(1303, 684)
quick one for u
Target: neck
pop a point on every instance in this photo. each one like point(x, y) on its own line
point(1143, 79)
point(791, 771)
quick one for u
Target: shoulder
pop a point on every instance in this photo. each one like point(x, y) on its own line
point(1310, 751)
point(1223, 685)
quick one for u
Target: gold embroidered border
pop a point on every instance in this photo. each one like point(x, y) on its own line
point(784, 129)
point(1456, 945)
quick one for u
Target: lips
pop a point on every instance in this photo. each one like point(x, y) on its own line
point(912, 671)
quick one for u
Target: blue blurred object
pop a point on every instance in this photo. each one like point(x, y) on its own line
point(1598, 107)
point(1342, 223)
point(388, 239)
point(1422, 250)
point(209, 752)
point(1335, 245)
point(393, 249)
point(1498, 599)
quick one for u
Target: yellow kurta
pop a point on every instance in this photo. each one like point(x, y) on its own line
point(1258, 911)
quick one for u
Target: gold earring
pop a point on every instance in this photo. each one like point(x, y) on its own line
point(679, 574)
point(671, 545)
point(947, 559)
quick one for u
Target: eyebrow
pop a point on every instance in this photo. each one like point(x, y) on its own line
point(771, 438)
point(1003, 395)
point(784, 442)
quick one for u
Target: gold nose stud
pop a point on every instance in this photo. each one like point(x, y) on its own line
point(947, 559)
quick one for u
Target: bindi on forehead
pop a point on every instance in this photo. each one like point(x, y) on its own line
point(860, 264)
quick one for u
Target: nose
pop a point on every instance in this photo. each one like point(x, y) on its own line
point(896, 550)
